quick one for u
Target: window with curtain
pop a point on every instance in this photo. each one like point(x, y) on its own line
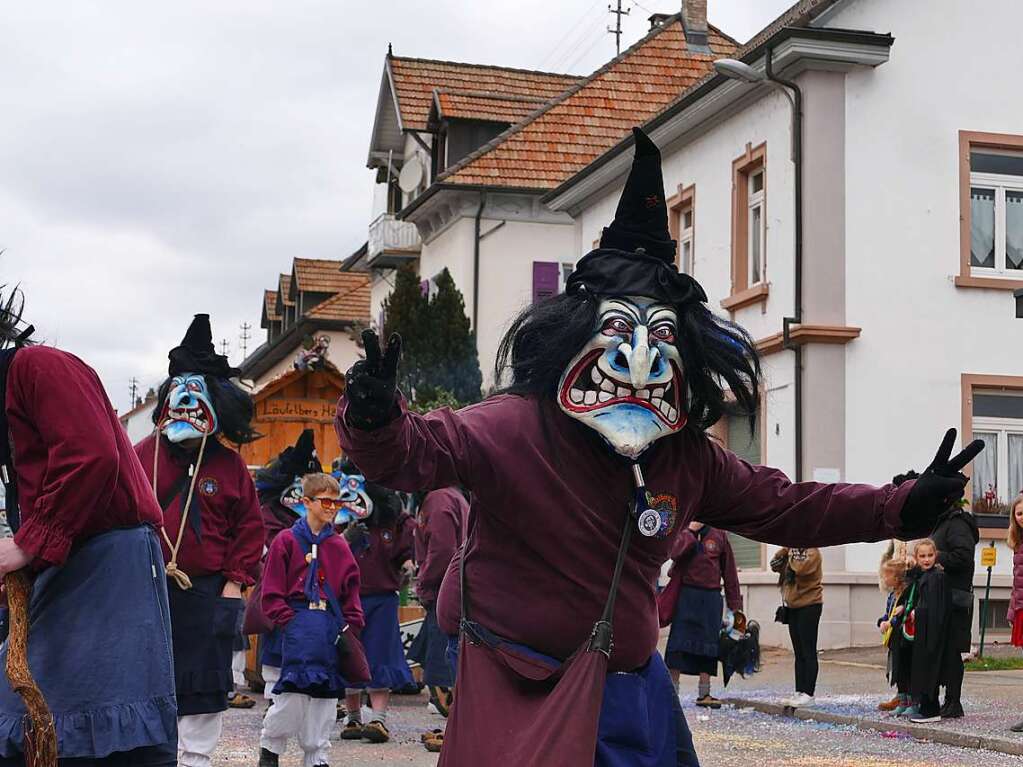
point(998, 471)
point(996, 213)
point(757, 228)
point(685, 239)
point(745, 443)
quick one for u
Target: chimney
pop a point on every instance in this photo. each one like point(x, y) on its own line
point(657, 19)
point(694, 22)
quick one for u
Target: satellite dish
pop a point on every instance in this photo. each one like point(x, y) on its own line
point(411, 176)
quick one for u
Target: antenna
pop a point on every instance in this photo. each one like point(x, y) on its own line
point(243, 338)
point(617, 29)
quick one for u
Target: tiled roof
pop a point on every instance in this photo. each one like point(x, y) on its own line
point(270, 305)
point(321, 275)
point(416, 79)
point(586, 120)
point(495, 107)
point(351, 305)
point(284, 290)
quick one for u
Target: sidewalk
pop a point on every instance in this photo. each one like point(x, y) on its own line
point(852, 683)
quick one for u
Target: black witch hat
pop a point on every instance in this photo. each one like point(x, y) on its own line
point(196, 354)
point(294, 461)
point(637, 254)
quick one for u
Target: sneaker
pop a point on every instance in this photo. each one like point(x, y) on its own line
point(376, 732)
point(267, 758)
point(801, 700)
point(952, 711)
point(911, 712)
point(708, 701)
point(241, 701)
point(889, 705)
point(925, 719)
point(352, 730)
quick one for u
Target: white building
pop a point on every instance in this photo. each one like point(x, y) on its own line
point(912, 243)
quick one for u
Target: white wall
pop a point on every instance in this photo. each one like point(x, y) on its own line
point(139, 424)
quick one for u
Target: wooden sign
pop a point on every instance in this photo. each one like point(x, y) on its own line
point(318, 410)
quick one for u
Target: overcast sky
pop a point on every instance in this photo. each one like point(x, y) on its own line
point(163, 159)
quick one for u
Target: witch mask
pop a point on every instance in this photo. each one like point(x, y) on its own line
point(627, 383)
point(188, 410)
point(355, 501)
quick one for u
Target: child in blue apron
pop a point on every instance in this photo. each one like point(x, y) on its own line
point(311, 592)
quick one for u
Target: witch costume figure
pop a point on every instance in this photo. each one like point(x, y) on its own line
point(213, 530)
point(383, 547)
point(85, 528)
point(279, 488)
point(613, 385)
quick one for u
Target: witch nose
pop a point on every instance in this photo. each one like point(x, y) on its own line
point(640, 356)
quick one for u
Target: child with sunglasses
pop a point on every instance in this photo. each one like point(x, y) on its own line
point(311, 591)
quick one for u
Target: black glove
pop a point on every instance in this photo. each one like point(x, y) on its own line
point(357, 535)
point(371, 383)
point(939, 487)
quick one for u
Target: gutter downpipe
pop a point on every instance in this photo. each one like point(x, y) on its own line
point(476, 272)
point(797, 314)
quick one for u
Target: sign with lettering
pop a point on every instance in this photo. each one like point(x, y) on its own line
point(988, 556)
point(295, 410)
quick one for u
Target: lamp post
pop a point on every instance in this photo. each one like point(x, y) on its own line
point(739, 70)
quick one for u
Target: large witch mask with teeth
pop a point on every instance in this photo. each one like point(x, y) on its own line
point(626, 383)
point(188, 410)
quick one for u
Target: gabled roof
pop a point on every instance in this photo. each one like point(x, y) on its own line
point(284, 292)
point(269, 308)
point(351, 306)
point(414, 81)
point(583, 122)
point(491, 107)
point(322, 275)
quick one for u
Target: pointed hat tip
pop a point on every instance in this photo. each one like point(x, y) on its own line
point(645, 147)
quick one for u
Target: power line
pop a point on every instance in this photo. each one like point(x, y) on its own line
point(572, 30)
point(617, 30)
point(594, 34)
point(600, 38)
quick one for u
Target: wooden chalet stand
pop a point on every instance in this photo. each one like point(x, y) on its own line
point(296, 400)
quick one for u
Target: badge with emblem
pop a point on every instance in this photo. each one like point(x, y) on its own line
point(208, 486)
point(386, 535)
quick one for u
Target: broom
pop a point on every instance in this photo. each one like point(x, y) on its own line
point(40, 745)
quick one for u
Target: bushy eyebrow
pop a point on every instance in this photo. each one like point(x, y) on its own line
point(630, 310)
point(662, 313)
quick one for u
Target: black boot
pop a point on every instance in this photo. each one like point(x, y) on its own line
point(267, 758)
point(952, 709)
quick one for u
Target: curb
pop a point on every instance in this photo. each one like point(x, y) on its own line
point(921, 732)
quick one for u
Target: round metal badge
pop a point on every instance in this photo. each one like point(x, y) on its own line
point(649, 523)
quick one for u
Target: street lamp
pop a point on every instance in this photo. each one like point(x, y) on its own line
point(734, 69)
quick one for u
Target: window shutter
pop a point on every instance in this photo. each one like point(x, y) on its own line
point(746, 445)
point(545, 279)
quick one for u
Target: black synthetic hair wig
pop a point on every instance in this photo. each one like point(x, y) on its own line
point(387, 505)
point(718, 357)
point(232, 404)
point(11, 309)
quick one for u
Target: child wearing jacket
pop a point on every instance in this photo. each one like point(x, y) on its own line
point(311, 592)
point(928, 614)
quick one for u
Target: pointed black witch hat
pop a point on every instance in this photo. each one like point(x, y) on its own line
point(196, 354)
point(636, 255)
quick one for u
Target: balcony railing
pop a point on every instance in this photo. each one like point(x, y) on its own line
point(387, 234)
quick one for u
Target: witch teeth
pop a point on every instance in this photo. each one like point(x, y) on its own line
point(590, 398)
point(607, 385)
point(623, 392)
point(596, 376)
point(577, 396)
point(605, 396)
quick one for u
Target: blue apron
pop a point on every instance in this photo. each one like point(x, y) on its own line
point(382, 639)
point(309, 659)
point(694, 641)
point(203, 626)
point(429, 650)
point(100, 650)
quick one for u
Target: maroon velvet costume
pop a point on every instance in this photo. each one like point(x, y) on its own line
point(443, 521)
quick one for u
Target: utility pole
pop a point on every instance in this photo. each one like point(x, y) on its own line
point(134, 388)
point(224, 346)
point(616, 30)
point(244, 339)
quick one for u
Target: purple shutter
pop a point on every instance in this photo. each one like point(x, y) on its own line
point(545, 279)
point(424, 288)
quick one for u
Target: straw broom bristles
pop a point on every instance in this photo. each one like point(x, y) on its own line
point(40, 746)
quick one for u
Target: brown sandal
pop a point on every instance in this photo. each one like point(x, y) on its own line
point(434, 745)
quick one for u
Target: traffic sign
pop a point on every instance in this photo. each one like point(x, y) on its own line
point(988, 556)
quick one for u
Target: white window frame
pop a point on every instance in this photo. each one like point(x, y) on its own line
point(685, 237)
point(754, 200)
point(1002, 428)
point(1001, 184)
point(567, 267)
